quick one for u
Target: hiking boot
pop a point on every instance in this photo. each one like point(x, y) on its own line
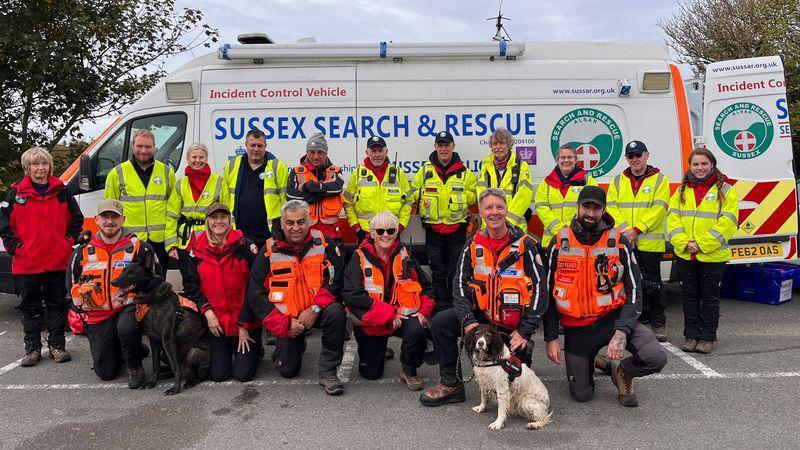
point(626, 395)
point(704, 347)
point(59, 355)
point(689, 345)
point(332, 384)
point(135, 377)
point(660, 332)
point(413, 382)
point(31, 358)
point(603, 364)
point(441, 394)
point(389, 354)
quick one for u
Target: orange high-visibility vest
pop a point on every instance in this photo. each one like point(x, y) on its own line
point(328, 210)
point(575, 286)
point(502, 290)
point(405, 295)
point(292, 283)
point(94, 290)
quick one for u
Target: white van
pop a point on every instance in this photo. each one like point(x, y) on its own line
point(597, 96)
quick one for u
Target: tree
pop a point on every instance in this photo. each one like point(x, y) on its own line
point(63, 62)
point(705, 31)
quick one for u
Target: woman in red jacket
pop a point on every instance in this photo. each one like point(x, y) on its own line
point(218, 270)
point(388, 294)
point(39, 223)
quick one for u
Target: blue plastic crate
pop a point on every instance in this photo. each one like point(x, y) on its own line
point(762, 283)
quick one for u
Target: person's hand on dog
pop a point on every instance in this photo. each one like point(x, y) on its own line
point(553, 351)
point(470, 327)
point(244, 340)
point(295, 328)
point(616, 347)
point(213, 323)
point(398, 321)
point(517, 341)
point(173, 253)
point(422, 319)
point(308, 318)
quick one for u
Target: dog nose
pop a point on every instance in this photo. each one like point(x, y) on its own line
point(481, 344)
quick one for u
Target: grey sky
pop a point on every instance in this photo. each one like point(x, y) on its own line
point(285, 21)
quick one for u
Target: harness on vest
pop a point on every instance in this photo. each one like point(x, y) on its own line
point(405, 295)
point(514, 178)
point(94, 291)
point(186, 227)
point(327, 210)
point(293, 281)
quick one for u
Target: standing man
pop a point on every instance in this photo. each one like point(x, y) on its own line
point(257, 183)
point(595, 295)
point(500, 281)
point(504, 170)
point(444, 189)
point(115, 337)
point(376, 186)
point(319, 183)
point(143, 185)
point(295, 284)
point(638, 200)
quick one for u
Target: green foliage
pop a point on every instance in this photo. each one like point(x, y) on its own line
point(66, 61)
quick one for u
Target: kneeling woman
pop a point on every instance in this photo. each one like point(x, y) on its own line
point(387, 294)
point(216, 280)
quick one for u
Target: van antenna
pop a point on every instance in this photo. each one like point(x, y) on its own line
point(501, 34)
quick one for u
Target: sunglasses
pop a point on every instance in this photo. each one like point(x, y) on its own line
point(632, 155)
point(382, 231)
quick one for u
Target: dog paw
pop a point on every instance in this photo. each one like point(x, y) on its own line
point(496, 425)
point(534, 425)
point(190, 384)
point(173, 391)
point(479, 408)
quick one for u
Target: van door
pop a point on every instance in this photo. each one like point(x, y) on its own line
point(746, 125)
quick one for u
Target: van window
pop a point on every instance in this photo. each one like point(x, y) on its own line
point(170, 133)
point(109, 156)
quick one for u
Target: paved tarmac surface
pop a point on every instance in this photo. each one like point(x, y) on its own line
point(743, 395)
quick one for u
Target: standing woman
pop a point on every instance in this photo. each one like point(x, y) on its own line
point(557, 197)
point(186, 211)
point(217, 272)
point(39, 223)
point(703, 216)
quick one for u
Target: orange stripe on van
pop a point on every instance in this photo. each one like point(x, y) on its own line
point(65, 177)
point(684, 124)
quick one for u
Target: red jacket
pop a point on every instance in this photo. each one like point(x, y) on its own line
point(217, 279)
point(39, 231)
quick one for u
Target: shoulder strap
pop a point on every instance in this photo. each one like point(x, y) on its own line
point(515, 176)
point(563, 238)
point(612, 237)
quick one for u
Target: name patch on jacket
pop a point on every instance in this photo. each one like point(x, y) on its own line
point(121, 264)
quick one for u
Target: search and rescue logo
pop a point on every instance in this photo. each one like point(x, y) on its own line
point(743, 130)
point(594, 134)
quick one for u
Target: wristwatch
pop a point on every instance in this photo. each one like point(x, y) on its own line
point(316, 309)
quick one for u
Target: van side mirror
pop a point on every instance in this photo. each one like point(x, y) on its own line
point(86, 176)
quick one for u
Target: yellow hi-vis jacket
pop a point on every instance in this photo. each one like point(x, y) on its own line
point(711, 223)
point(180, 231)
point(365, 197)
point(276, 175)
point(645, 210)
point(555, 210)
point(443, 202)
point(145, 207)
point(516, 183)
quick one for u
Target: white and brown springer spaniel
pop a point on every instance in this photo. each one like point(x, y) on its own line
point(524, 397)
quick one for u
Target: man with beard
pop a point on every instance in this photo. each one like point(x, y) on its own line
point(595, 292)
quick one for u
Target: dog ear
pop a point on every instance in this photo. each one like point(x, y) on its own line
point(148, 259)
point(469, 339)
point(496, 345)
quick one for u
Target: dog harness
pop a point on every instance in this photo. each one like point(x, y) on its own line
point(183, 302)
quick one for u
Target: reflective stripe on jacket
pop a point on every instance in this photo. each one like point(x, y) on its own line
point(516, 183)
point(365, 196)
point(292, 283)
point(276, 175)
point(711, 224)
point(183, 231)
point(446, 203)
point(646, 210)
point(405, 295)
point(93, 290)
point(328, 210)
point(556, 210)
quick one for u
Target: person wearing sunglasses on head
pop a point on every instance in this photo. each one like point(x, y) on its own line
point(638, 199)
point(388, 294)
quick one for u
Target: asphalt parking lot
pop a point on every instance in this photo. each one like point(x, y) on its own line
point(743, 395)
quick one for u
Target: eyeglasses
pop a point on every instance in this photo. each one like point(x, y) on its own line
point(382, 231)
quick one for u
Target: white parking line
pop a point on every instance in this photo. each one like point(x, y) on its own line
point(707, 372)
point(15, 364)
point(346, 367)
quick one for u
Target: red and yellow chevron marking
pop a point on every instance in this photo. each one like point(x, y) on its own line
point(766, 207)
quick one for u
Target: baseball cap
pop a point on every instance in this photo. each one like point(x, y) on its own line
point(217, 207)
point(109, 205)
point(444, 136)
point(317, 142)
point(376, 140)
point(635, 147)
point(592, 194)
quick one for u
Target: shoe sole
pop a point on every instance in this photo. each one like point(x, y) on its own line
point(333, 392)
point(28, 364)
point(410, 387)
point(433, 403)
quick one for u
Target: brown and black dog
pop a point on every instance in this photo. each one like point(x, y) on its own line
point(181, 333)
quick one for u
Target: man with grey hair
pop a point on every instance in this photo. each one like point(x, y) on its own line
point(500, 281)
point(319, 183)
point(295, 285)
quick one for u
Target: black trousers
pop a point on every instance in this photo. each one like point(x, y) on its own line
point(653, 305)
point(444, 251)
point(700, 288)
point(446, 329)
point(115, 341)
point(163, 258)
point(50, 288)
point(227, 362)
point(372, 349)
point(289, 351)
point(581, 345)
point(183, 262)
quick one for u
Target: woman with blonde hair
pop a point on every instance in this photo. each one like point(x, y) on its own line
point(40, 221)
